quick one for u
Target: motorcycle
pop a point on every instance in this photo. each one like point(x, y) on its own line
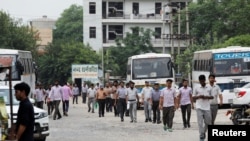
point(239, 114)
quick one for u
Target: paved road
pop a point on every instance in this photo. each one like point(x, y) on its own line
point(81, 125)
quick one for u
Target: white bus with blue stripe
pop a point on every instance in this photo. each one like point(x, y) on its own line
point(151, 67)
point(231, 66)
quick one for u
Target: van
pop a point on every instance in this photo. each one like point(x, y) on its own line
point(41, 129)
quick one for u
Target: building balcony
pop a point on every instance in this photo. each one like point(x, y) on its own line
point(132, 18)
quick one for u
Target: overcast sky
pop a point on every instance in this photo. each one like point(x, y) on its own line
point(30, 9)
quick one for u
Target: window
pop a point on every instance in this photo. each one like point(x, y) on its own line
point(135, 8)
point(92, 32)
point(115, 31)
point(158, 8)
point(157, 32)
point(92, 8)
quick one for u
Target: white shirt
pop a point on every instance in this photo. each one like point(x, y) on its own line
point(39, 94)
point(131, 93)
point(215, 91)
point(56, 93)
point(147, 92)
point(91, 92)
point(85, 89)
point(168, 95)
point(203, 104)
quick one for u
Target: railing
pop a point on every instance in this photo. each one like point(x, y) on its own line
point(131, 16)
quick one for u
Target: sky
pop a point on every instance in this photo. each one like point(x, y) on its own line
point(32, 9)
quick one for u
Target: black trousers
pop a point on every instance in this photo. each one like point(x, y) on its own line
point(116, 107)
point(156, 111)
point(101, 103)
point(39, 104)
point(50, 105)
point(75, 98)
point(108, 103)
point(186, 114)
point(122, 106)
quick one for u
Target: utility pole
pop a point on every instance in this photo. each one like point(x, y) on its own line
point(187, 23)
point(163, 27)
point(171, 29)
point(179, 31)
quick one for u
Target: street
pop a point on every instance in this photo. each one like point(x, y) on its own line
point(81, 125)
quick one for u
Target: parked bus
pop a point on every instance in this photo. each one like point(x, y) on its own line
point(23, 67)
point(151, 67)
point(231, 66)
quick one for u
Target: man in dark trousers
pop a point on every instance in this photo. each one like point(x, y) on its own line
point(25, 116)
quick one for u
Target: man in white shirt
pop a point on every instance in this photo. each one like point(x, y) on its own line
point(91, 97)
point(84, 92)
point(216, 93)
point(56, 95)
point(132, 97)
point(147, 101)
point(201, 96)
point(168, 105)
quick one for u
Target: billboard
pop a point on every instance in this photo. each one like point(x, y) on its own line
point(87, 72)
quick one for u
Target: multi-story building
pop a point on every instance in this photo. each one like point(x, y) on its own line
point(106, 20)
point(44, 27)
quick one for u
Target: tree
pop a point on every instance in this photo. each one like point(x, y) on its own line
point(15, 35)
point(137, 42)
point(70, 25)
point(66, 49)
point(214, 22)
point(56, 63)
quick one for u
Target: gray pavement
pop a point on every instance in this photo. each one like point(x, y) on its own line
point(81, 125)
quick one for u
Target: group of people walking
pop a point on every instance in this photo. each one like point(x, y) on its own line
point(123, 99)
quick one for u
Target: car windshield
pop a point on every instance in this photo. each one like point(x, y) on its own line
point(5, 94)
point(246, 86)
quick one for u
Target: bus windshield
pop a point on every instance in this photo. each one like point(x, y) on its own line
point(146, 68)
point(229, 64)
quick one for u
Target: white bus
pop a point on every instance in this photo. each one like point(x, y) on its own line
point(230, 65)
point(23, 67)
point(151, 67)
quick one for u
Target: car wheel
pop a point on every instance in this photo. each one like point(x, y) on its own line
point(236, 115)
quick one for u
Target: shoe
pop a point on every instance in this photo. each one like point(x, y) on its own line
point(165, 128)
point(59, 117)
point(153, 122)
point(131, 121)
point(170, 130)
point(188, 126)
point(146, 120)
point(158, 122)
point(93, 112)
point(122, 120)
point(150, 120)
point(89, 110)
point(66, 114)
point(135, 121)
point(102, 115)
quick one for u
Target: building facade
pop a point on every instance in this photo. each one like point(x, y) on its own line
point(106, 20)
point(44, 27)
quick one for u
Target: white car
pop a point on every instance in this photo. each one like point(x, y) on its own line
point(41, 129)
point(242, 95)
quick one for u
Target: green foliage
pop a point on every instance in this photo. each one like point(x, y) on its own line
point(66, 49)
point(133, 44)
point(56, 63)
point(241, 40)
point(70, 25)
point(15, 35)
